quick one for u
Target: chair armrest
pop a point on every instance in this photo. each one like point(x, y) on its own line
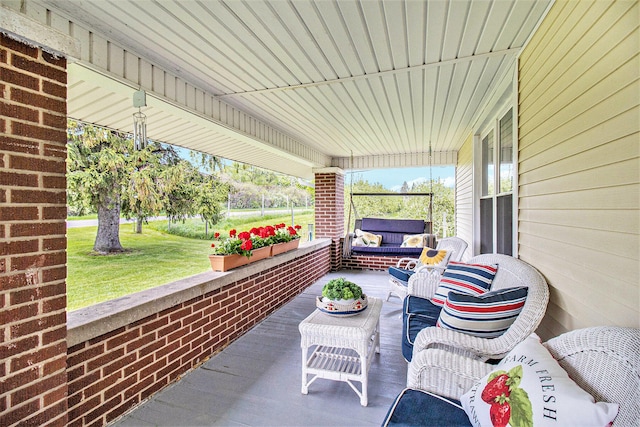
point(444, 373)
point(424, 283)
point(460, 343)
point(408, 263)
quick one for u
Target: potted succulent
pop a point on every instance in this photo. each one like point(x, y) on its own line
point(341, 297)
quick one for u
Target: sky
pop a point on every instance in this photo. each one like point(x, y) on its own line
point(393, 179)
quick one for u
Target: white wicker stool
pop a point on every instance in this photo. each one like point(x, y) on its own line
point(342, 347)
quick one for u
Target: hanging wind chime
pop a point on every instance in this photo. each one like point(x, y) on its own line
point(139, 121)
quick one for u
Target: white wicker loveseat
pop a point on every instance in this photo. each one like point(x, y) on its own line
point(603, 361)
point(511, 273)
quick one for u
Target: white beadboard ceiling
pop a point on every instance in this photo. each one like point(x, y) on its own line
point(302, 83)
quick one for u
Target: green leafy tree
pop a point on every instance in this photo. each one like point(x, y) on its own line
point(143, 196)
point(209, 200)
point(99, 165)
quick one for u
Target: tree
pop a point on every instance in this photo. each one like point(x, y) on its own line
point(209, 200)
point(142, 196)
point(98, 164)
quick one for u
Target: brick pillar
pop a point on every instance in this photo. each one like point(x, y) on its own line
point(33, 349)
point(329, 217)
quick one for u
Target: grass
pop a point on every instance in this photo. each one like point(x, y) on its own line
point(154, 258)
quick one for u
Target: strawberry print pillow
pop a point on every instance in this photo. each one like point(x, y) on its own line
point(529, 388)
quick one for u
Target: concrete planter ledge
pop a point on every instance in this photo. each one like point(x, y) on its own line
point(90, 322)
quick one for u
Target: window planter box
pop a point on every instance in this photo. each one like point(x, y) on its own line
point(227, 262)
point(280, 248)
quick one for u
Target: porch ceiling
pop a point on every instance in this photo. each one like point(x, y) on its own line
point(376, 80)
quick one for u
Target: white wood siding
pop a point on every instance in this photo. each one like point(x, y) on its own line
point(579, 221)
point(464, 195)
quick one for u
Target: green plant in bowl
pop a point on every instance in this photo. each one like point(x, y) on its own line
point(341, 289)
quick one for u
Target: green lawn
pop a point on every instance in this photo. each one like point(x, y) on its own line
point(155, 258)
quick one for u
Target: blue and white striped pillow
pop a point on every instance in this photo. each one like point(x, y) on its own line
point(474, 279)
point(487, 316)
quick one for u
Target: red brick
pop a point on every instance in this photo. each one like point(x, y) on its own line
point(139, 386)
point(120, 387)
point(19, 213)
point(14, 179)
point(56, 395)
point(55, 244)
point(122, 339)
point(55, 274)
point(24, 295)
point(97, 387)
point(37, 196)
point(38, 229)
point(18, 145)
point(21, 263)
point(36, 356)
point(55, 181)
point(17, 415)
point(37, 388)
point(12, 382)
point(39, 69)
point(37, 325)
point(58, 61)
point(54, 212)
point(18, 46)
point(83, 408)
point(56, 150)
point(19, 247)
point(103, 360)
point(54, 304)
point(20, 112)
point(37, 164)
point(118, 364)
point(82, 382)
point(55, 365)
point(38, 132)
point(52, 88)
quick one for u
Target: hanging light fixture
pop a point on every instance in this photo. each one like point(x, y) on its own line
point(139, 120)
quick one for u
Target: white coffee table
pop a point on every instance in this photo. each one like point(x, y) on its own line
point(341, 347)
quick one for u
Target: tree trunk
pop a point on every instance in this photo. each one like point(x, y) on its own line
point(139, 225)
point(108, 237)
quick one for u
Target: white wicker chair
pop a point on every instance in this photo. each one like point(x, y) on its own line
point(604, 361)
point(512, 272)
point(454, 245)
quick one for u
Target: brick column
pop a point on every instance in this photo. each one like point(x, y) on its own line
point(329, 217)
point(33, 349)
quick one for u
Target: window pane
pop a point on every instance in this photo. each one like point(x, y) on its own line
point(488, 178)
point(506, 153)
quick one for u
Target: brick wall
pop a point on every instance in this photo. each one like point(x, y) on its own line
point(329, 212)
point(368, 262)
point(32, 236)
point(112, 373)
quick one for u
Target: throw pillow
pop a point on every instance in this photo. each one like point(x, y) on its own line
point(413, 241)
point(434, 257)
point(529, 388)
point(364, 238)
point(488, 315)
point(474, 279)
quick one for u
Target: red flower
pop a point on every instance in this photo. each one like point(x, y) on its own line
point(232, 233)
point(246, 245)
point(292, 231)
point(245, 235)
point(216, 235)
point(255, 231)
point(297, 227)
point(213, 245)
point(271, 231)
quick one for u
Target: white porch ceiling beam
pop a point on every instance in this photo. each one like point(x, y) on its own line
point(438, 158)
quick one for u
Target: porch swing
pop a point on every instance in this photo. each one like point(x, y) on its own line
point(389, 236)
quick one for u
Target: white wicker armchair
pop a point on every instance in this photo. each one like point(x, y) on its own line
point(512, 272)
point(454, 245)
point(604, 361)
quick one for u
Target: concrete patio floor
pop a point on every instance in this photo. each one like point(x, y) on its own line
point(256, 381)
